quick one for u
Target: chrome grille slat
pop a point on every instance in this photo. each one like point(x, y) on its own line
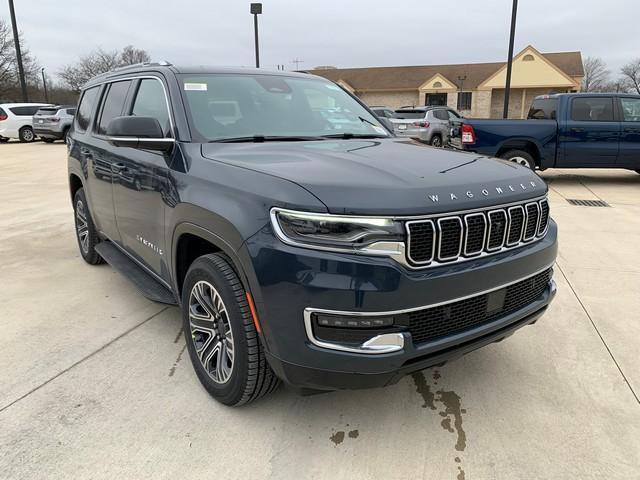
point(450, 238)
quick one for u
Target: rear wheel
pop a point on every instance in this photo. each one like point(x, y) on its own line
point(86, 233)
point(436, 141)
point(221, 337)
point(26, 134)
point(520, 157)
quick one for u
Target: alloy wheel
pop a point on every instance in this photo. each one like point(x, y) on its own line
point(82, 226)
point(211, 331)
point(521, 160)
point(28, 135)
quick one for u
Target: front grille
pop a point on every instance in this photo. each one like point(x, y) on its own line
point(431, 323)
point(453, 238)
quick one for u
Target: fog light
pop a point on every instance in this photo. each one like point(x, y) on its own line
point(336, 321)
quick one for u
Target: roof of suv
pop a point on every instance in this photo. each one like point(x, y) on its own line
point(188, 69)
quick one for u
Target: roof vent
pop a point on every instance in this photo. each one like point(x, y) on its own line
point(528, 58)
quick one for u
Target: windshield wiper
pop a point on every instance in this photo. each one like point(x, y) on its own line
point(348, 135)
point(265, 138)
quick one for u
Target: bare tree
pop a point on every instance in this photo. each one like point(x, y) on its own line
point(99, 61)
point(131, 55)
point(596, 74)
point(9, 64)
point(631, 72)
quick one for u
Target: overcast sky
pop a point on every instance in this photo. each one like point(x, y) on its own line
point(347, 33)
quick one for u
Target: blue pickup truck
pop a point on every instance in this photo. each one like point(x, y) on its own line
point(566, 130)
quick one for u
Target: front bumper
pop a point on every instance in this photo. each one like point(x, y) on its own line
point(291, 280)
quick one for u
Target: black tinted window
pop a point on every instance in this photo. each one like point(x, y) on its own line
point(410, 114)
point(71, 111)
point(85, 109)
point(24, 111)
point(113, 104)
point(592, 109)
point(543, 109)
point(2, 112)
point(150, 102)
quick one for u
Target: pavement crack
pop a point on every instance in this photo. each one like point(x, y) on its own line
point(593, 323)
point(175, 364)
point(82, 360)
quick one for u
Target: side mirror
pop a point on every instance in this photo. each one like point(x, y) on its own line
point(138, 132)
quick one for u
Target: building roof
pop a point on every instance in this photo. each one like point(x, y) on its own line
point(412, 77)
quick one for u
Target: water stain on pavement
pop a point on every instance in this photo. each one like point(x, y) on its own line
point(451, 402)
point(423, 388)
point(354, 434)
point(172, 370)
point(337, 438)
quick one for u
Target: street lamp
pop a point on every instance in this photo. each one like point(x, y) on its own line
point(16, 40)
point(507, 86)
point(256, 9)
point(44, 84)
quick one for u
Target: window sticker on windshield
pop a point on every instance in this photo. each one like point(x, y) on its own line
point(199, 87)
point(331, 86)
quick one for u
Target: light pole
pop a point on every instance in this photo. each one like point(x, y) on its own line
point(16, 40)
point(256, 9)
point(507, 86)
point(44, 84)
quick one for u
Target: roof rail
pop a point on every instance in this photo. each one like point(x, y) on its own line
point(161, 63)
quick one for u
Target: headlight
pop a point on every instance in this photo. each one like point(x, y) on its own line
point(334, 231)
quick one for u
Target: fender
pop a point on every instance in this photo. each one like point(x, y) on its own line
point(541, 148)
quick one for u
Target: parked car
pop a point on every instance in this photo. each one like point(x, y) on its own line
point(52, 123)
point(383, 112)
point(427, 124)
point(567, 130)
point(15, 121)
point(326, 255)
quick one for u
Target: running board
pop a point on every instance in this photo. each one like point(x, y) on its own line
point(143, 281)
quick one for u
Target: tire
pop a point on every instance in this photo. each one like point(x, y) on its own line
point(64, 135)
point(521, 157)
point(3, 140)
point(47, 140)
point(86, 233)
point(26, 135)
point(436, 141)
point(214, 306)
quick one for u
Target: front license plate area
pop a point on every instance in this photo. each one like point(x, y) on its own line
point(495, 300)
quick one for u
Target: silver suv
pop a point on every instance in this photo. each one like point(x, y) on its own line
point(427, 124)
point(52, 123)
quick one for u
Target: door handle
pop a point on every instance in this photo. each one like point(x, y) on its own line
point(118, 167)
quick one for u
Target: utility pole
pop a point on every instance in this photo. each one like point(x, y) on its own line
point(507, 87)
point(297, 62)
point(256, 9)
point(44, 84)
point(16, 40)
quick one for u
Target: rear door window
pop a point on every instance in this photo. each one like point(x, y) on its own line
point(592, 109)
point(543, 109)
point(630, 109)
point(113, 104)
point(441, 115)
point(85, 109)
point(151, 102)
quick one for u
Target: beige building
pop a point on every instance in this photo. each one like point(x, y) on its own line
point(475, 89)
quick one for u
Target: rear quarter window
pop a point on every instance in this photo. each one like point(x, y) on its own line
point(86, 108)
point(24, 111)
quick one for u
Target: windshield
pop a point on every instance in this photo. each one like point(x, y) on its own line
point(228, 106)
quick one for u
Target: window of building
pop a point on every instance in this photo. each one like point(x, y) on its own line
point(113, 104)
point(85, 109)
point(436, 99)
point(592, 109)
point(464, 100)
point(528, 58)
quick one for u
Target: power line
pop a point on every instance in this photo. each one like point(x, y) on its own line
point(297, 63)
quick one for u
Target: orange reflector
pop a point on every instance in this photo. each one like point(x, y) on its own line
point(254, 314)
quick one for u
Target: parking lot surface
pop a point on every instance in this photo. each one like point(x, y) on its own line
point(95, 381)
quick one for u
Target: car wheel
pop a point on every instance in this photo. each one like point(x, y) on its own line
point(436, 141)
point(86, 233)
point(26, 134)
point(520, 157)
point(221, 337)
point(64, 135)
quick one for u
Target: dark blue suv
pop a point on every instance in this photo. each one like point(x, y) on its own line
point(300, 238)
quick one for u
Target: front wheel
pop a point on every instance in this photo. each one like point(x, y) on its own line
point(221, 337)
point(26, 135)
point(520, 157)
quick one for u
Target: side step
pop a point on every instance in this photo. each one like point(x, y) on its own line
point(148, 286)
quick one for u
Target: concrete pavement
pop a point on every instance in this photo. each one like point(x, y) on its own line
point(95, 381)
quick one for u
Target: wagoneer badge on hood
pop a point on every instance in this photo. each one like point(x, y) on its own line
point(487, 192)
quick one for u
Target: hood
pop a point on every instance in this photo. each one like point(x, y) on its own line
point(385, 176)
